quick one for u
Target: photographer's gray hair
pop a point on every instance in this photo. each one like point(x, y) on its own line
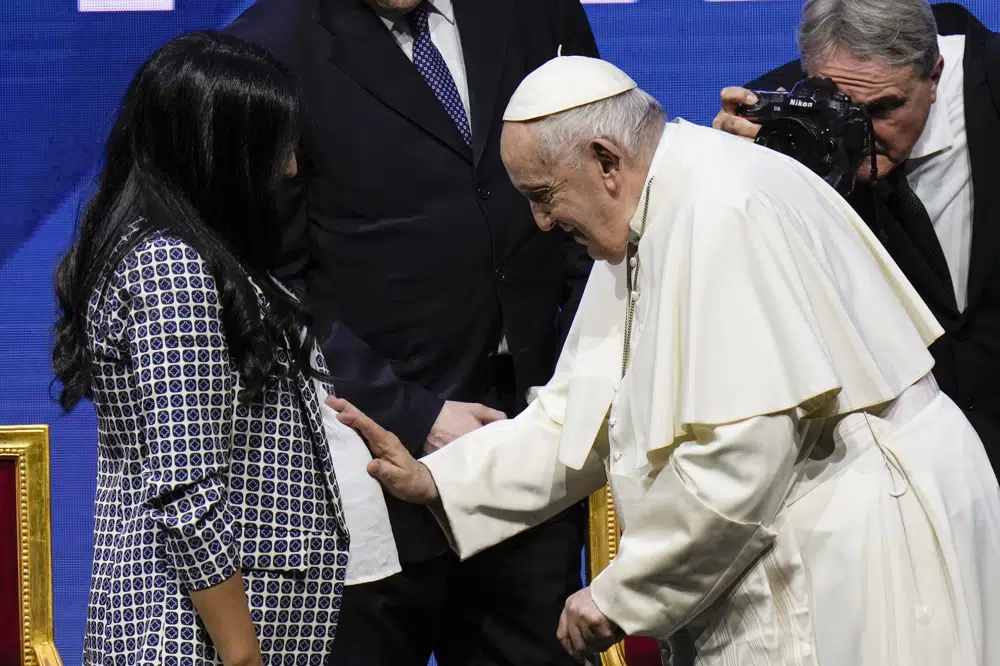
point(897, 32)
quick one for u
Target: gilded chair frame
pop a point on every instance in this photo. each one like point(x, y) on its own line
point(602, 546)
point(28, 446)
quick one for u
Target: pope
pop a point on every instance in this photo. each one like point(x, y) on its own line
point(749, 370)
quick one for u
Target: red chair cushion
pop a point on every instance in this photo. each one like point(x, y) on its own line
point(10, 565)
point(642, 651)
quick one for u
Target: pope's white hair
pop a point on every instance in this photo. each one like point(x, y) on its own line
point(896, 32)
point(631, 120)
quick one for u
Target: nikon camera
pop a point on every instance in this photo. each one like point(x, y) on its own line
point(817, 125)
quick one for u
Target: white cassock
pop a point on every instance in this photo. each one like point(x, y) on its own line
point(794, 488)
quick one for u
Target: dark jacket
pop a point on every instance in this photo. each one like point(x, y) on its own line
point(415, 251)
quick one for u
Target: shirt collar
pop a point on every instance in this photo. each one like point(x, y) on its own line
point(938, 134)
point(442, 7)
point(635, 225)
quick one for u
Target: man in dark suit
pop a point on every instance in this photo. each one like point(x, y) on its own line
point(930, 78)
point(445, 301)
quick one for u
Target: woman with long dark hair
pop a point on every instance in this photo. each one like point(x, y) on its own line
point(219, 531)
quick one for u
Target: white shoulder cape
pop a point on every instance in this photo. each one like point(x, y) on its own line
point(761, 291)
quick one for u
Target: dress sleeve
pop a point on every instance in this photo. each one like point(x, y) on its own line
point(700, 523)
point(184, 394)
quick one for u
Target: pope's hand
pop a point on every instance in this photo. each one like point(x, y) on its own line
point(584, 629)
point(392, 465)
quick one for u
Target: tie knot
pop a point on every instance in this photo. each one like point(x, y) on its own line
point(417, 18)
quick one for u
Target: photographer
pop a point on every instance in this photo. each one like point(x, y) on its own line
point(932, 98)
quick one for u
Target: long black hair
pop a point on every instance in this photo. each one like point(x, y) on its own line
point(202, 140)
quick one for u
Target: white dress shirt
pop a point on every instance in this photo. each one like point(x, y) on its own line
point(939, 170)
point(373, 554)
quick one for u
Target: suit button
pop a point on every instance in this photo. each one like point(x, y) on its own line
point(970, 404)
point(484, 192)
point(501, 275)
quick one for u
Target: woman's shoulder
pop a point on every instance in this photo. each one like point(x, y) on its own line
point(160, 264)
point(157, 257)
point(160, 249)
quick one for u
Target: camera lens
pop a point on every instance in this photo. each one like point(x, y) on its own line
point(798, 138)
point(784, 142)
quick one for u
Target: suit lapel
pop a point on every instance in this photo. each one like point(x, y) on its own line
point(367, 52)
point(982, 94)
point(484, 28)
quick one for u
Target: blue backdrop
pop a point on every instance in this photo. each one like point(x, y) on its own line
point(62, 72)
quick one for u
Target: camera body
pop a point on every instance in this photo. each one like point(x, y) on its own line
point(817, 125)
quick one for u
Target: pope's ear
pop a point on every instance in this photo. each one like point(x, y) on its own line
point(607, 154)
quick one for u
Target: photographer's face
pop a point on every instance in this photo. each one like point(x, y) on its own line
point(898, 99)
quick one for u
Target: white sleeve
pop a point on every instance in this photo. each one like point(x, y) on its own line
point(702, 520)
point(503, 478)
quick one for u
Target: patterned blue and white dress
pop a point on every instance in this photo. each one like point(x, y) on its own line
point(193, 485)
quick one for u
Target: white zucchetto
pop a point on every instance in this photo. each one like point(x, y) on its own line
point(563, 83)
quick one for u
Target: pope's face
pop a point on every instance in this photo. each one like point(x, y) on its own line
point(584, 199)
point(897, 97)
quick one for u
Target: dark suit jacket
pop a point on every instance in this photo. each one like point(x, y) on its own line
point(415, 251)
point(967, 357)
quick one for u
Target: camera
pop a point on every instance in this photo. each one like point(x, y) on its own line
point(817, 125)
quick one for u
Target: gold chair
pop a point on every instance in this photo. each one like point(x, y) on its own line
point(602, 546)
point(26, 634)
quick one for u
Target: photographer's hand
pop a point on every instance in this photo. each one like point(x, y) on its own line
point(727, 119)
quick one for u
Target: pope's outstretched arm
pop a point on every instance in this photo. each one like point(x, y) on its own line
point(488, 485)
